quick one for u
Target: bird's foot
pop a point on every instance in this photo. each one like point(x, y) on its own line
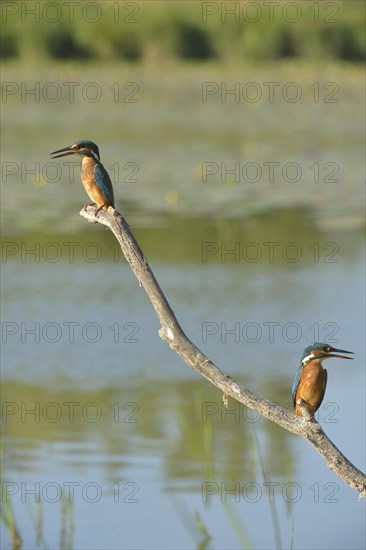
point(91, 204)
point(305, 411)
point(99, 209)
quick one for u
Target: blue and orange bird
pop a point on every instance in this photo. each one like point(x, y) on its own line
point(94, 176)
point(311, 378)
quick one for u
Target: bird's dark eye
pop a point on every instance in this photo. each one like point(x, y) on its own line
point(327, 349)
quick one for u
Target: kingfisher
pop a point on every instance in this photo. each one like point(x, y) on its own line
point(311, 378)
point(94, 176)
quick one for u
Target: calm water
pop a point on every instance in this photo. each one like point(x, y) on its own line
point(109, 439)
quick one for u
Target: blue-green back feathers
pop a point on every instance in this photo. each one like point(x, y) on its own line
point(104, 182)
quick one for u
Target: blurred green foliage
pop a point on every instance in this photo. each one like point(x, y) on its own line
point(185, 30)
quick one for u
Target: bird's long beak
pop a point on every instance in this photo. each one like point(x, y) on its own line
point(340, 351)
point(68, 151)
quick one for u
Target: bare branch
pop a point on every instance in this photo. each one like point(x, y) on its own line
point(173, 334)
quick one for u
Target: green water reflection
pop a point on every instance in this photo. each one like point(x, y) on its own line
point(197, 430)
point(282, 238)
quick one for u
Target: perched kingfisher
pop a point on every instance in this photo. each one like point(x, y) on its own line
point(94, 176)
point(311, 378)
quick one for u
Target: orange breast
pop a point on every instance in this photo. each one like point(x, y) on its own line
point(311, 387)
point(90, 185)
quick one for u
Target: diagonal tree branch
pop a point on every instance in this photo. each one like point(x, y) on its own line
point(173, 334)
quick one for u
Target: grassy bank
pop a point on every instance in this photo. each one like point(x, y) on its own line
point(184, 30)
